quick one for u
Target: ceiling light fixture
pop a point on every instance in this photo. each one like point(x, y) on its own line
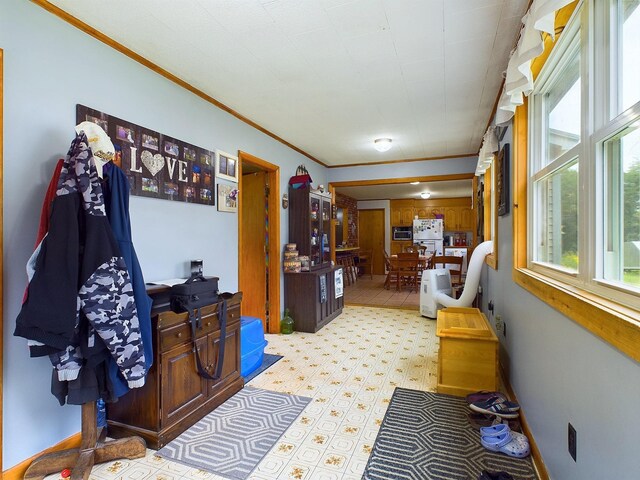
point(382, 144)
point(414, 183)
point(425, 194)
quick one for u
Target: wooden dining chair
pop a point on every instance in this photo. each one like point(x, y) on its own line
point(442, 261)
point(365, 261)
point(421, 248)
point(407, 270)
point(389, 266)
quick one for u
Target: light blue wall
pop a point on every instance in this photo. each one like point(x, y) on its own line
point(402, 170)
point(562, 373)
point(49, 67)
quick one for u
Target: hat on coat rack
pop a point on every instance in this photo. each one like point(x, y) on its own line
point(100, 143)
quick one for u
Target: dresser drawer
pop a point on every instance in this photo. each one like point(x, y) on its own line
point(175, 335)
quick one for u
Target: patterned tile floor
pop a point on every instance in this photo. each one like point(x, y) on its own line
point(371, 292)
point(350, 369)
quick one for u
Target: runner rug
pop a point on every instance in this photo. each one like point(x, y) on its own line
point(231, 440)
point(426, 436)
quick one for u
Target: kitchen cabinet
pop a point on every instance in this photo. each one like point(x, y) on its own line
point(451, 218)
point(467, 219)
point(310, 225)
point(175, 396)
point(402, 212)
point(459, 218)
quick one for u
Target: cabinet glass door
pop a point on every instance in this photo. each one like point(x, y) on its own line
point(326, 231)
point(315, 214)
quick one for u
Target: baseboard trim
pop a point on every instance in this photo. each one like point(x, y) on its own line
point(536, 456)
point(17, 472)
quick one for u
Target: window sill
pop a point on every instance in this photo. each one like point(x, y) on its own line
point(614, 323)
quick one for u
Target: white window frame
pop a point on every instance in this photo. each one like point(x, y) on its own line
point(562, 54)
point(594, 23)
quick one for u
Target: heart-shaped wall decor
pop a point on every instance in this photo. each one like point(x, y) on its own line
point(154, 163)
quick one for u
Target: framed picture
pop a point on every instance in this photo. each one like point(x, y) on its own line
point(149, 141)
point(124, 133)
point(227, 198)
point(502, 180)
point(226, 166)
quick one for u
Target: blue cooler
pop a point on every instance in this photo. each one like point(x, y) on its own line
point(252, 344)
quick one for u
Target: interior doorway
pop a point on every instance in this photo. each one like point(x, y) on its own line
point(371, 236)
point(259, 240)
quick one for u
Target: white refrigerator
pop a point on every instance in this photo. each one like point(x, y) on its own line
point(429, 232)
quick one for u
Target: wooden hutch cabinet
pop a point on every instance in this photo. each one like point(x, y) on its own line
point(174, 396)
point(310, 296)
point(310, 225)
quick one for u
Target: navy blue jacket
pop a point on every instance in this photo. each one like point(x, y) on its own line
point(116, 199)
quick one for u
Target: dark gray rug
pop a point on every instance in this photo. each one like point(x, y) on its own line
point(267, 361)
point(426, 436)
point(231, 440)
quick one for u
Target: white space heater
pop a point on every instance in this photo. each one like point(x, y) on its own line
point(435, 289)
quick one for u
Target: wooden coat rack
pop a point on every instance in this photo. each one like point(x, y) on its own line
point(92, 451)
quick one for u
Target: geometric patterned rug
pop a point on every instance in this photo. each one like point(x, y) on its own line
point(426, 436)
point(231, 440)
point(267, 361)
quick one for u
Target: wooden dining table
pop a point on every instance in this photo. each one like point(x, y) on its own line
point(424, 262)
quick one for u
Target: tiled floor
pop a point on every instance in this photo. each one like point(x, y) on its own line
point(350, 369)
point(371, 292)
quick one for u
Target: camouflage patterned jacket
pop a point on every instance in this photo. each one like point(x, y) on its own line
point(77, 274)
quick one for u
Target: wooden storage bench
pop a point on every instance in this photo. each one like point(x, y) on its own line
point(468, 354)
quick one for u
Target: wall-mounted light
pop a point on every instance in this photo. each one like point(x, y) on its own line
point(425, 194)
point(382, 144)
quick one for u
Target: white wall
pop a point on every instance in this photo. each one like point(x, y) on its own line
point(562, 373)
point(49, 67)
point(380, 205)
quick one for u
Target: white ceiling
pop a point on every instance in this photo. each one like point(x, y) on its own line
point(442, 189)
point(330, 76)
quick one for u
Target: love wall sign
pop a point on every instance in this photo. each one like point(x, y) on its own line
point(157, 165)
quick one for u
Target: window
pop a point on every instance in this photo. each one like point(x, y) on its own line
point(626, 35)
point(577, 172)
point(556, 134)
point(622, 208)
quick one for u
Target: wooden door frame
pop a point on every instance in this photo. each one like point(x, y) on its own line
point(386, 181)
point(273, 206)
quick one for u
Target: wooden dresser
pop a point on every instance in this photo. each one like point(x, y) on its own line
point(468, 354)
point(174, 396)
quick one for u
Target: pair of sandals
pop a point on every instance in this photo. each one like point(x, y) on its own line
point(493, 403)
point(500, 438)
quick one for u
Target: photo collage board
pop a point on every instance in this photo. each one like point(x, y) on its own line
point(157, 165)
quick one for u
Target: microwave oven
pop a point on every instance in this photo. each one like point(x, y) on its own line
point(402, 233)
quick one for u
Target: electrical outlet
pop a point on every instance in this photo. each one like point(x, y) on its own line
point(572, 441)
point(490, 306)
point(499, 324)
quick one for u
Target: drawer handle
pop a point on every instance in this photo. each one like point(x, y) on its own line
point(208, 324)
point(179, 334)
